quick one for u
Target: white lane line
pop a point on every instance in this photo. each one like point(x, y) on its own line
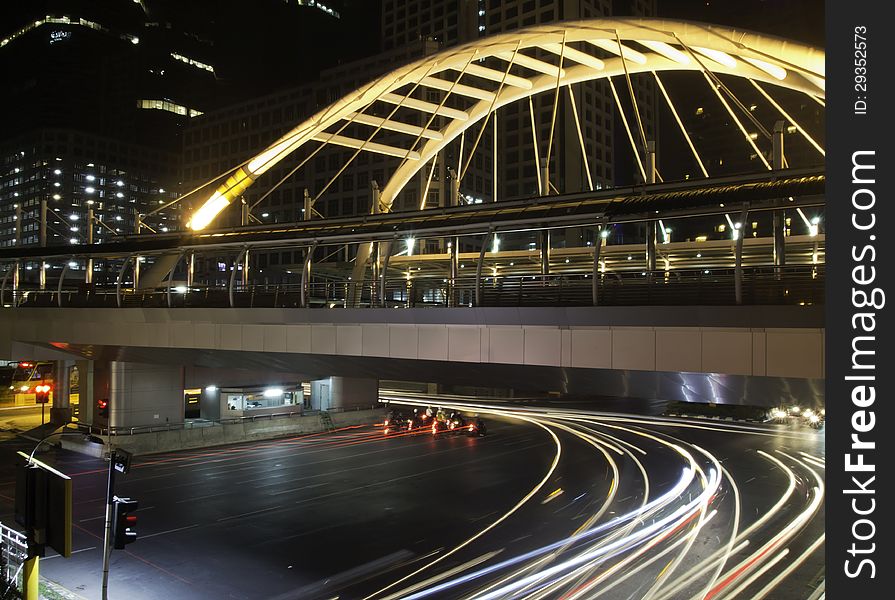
point(143, 537)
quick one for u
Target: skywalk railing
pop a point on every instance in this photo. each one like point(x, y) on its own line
point(764, 285)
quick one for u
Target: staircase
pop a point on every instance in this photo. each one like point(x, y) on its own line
point(326, 420)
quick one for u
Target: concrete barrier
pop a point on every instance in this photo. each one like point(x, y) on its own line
point(219, 434)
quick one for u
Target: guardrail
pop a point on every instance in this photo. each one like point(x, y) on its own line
point(766, 285)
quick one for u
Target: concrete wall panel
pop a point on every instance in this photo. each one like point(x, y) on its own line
point(679, 349)
point(506, 345)
point(274, 338)
point(298, 338)
point(543, 346)
point(349, 340)
point(464, 343)
point(403, 341)
point(727, 351)
point(323, 339)
point(375, 340)
point(795, 353)
point(592, 348)
point(634, 348)
point(433, 342)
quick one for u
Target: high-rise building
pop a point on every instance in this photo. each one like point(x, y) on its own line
point(98, 92)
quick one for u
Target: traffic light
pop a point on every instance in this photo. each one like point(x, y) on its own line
point(42, 393)
point(124, 524)
point(102, 408)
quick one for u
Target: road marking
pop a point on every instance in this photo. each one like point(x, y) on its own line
point(73, 552)
point(143, 537)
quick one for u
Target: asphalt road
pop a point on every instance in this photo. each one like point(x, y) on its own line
point(547, 505)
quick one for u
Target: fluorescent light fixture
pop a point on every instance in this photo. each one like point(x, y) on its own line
point(273, 392)
point(211, 388)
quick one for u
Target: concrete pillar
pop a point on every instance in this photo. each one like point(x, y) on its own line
point(60, 412)
point(139, 394)
point(84, 388)
point(210, 403)
point(344, 393)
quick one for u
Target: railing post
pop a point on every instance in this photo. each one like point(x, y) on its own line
point(236, 263)
point(306, 277)
point(386, 250)
point(171, 276)
point(595, 272)
point(127, 261)
point(478, 268)
point(59, 287)
point(738, 258)
point(455, 255)
point(779, 216)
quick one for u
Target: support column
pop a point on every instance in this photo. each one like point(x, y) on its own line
point(738, 256)
point(137, 221)
point(651, 225)
point(455, 259)
point(307, 210)
point(779, 216)
point(454, 199)
point(545, 178)
point(386, 250)
point(544, 235)
point(478, 268)
point(374, 280)
point(306, 277)
point(595, 273)
point(139, 394)
point(245, 269)
point(60, 412)
point(190, 270)
point(244, 213)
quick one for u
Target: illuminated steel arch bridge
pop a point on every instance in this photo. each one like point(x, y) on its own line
point(415, 112)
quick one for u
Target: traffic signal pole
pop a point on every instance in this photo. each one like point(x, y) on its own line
point(107, 537)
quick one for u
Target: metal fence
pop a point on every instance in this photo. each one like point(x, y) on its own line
point(13, 553)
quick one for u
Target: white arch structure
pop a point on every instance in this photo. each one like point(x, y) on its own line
point(522, 63)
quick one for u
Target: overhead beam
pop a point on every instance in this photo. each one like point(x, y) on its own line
point(582, 58)
point(427, 107)
point(498, 76)
point(341, 140)
point(458, 88)
point(626, 52)
point(391, 125)
point(531, 63)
